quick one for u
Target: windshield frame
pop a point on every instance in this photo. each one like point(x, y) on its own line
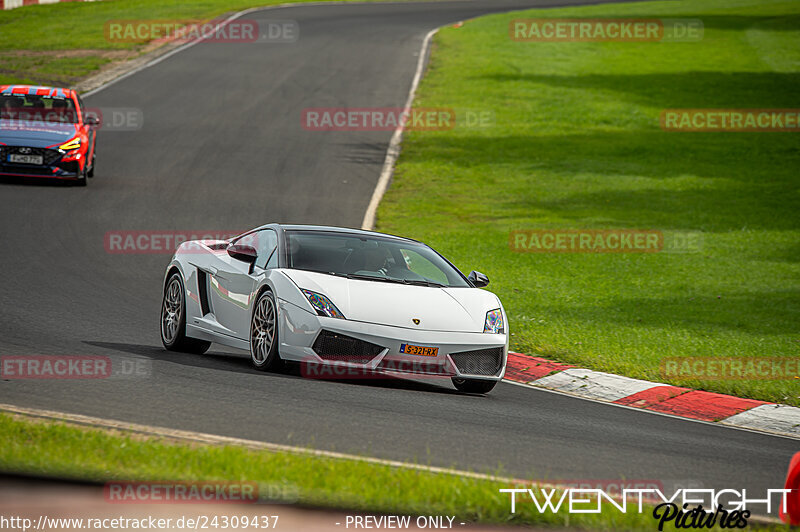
point(287, 233)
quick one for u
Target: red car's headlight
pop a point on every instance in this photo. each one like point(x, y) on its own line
point(70, 145)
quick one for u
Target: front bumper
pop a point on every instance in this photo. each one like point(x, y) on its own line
point(52, 167)
point(461, 354)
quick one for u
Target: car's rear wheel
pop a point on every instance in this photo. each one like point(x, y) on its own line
point(264, 334)
point(173, 320)
point(473, 385)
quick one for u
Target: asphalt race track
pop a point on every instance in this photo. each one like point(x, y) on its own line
point(222, 149)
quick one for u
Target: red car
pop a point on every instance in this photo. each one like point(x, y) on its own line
point(46, 132)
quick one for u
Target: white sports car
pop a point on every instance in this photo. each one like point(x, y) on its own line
point(328, 296)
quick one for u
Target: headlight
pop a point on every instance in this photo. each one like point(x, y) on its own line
point(70, 145)
point(494, 322)
point(323, 305)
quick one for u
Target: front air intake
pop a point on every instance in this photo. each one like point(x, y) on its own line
point(335, 346)
point(480, 362)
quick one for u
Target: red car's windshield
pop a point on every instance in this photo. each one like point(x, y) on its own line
point(38, 108)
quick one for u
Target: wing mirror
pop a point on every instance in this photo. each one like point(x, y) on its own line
point(243, 253)
point(478, 279)
point(92, 120)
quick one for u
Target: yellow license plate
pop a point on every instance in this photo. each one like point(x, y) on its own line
point(421, 350)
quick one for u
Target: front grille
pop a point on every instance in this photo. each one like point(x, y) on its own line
point(49, 156)
point(480, 362)
point(333, 346)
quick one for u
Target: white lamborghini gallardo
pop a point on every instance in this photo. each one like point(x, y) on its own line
point(333, 296)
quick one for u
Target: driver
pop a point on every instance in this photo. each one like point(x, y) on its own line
point(10, 106)
point(375, 260)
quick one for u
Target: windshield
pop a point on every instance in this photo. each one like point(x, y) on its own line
point(369, 257)
point(37, 108)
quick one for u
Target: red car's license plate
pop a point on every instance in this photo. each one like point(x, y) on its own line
point(411, 349)
point(27, 159)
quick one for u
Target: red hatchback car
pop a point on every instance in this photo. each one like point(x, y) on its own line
point(46, 132)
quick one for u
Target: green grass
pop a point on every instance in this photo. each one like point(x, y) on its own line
point(80, 26)
point(92, 454)
point(68, 451)
point(576, 144)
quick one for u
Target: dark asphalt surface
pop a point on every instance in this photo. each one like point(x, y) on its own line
point(222, 149)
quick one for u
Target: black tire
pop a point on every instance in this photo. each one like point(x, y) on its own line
point(173, 320)
point(90, 173)
point(473, 385)
point(264, 334)
point(81, 182)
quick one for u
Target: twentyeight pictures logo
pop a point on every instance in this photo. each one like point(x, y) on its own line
point(684, 508)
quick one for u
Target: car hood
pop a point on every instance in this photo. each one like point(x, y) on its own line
point(437, 309)
point(36, 134)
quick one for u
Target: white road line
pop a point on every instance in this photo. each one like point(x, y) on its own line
point(393, 152)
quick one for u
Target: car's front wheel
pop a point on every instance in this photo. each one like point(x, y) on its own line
point(264, 333)
point(82, 180)
point(473, 385)
point(173, 320)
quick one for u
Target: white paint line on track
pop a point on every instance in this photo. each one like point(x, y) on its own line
point(394, 145)
point(594, 384)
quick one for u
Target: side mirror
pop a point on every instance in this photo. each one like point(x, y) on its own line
point(92, 120)
point(243, 253)
point(478, 279)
